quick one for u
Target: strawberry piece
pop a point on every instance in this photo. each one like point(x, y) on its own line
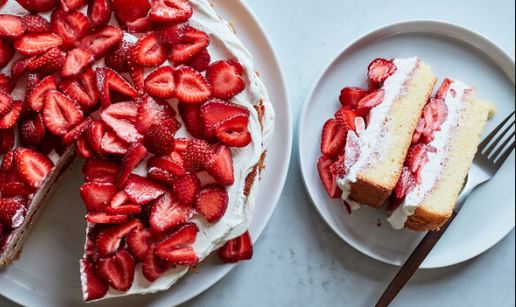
point(139, 243)
point(32, 166)
point(171, 11)
point(6, 104)
point(11, 26)
point(70, 26)
point(121, 117)
point(19, 68)
point(141, 190)
point(7, 138)
point(74, 134)
point(83, 148)
point(193, 42)
point(152, 111)
point(108, 240)
point(186, 188)
point(215, 112)
point(419, 131)
point(169, 212)
point(442, 92)
point(76, 61)
point(238, 249)
point(140, 25)
point(118, 60)
point(134, 156)
point(99, 13)
point(36, 6)
point(95, 134)
point(69, 5)
point(130, 10)
point(366, 104)
point(97, 196)
point(405, 184)
point(82, 89)
point(159, 139)
point(6, 53)
point(417, 157)
point(200, 62)
point(120, 204)
point(153, 267)
point(103, 218)
point(10, 119)
point(234, 132)
point(31, 130)
point(109, 81)
point(212, 203)
point(37, 43)
point(137, 75)
point(381, 69)
point(60, 113)
point(93, 286)
point(166, 169)
point(350, 96)
point(191, 86)
point(102, 41)
point(345, 119)
point(37, 96)
point(100, 171)
point(14, 187)
point(177, 248)
point(220, 166)
point(225, 78)
point(333, 139)
point(160, 83)
point(196, 155)
point(5, 84)
point(12, 212)
point(191, 115)
point(7, 162)
point(148, 51)
point(328, 178)
point(32, 80)
point(112, 144)
point(35, 24)
point(435, 114)
point(48, 63)
point(118, 270)
point(170, 34)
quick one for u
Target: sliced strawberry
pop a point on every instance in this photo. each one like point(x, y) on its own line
point(7, 138)
point(103, 40)
point(32, 166)
point(200, 62)
point(140, 25)
point(405, 184)
point(48, 63)
point(83, 148)
point(152, 111)
point(169, 212)
point(159, 139)
point(10, 119)
point(148, 51)
point(171, 11)
point(14, 187)
point(350, 96)
point(134, 156)
point(193, 42)
point(130, 10)
point(120, 204)
point(333, 139)
point(191, 115)
point(74, 134)
point(83, 89)
point(37, 43)
point(118, 270)
point(166, 169)
point(121, 117)
point(95, 134)
point(212, 203)
point(226, 79)
point(70, 26)
point(345, 119)
point(118, 60)
point(436, 113)
point(12, 212)
point(37, 96)
point(103, 218)
point(60, 113)
point(6, 104)
point(6, 53)
point(328, 178)
point(215, 112)
point(153, 267)
point(108, 240)
point(93, 286)
point(7, 161)
point(443, 89)
point(238, 249)
point(99, 13)
point(137, 73)
point(36, 6)
point(112, 144)
point(381, 69)
point(31, 130)
point(419, 131)
point(5, 83)
point(234, 132)
point(35, 24)
point(366, 104)
point(191, 86)
point(170, 34)
point(141, 190)
point(19, 68)
point(181, 145)
point(109, 81)
point(220, 166)
point(417, 157)
point(97, 196)
point(160, 83)
point(139, 243)
point(186, 188)
point(100, 171)
point(11, 26)
point(69, 5)
point(177, 248)
point(77, 61)
point(32, 80)
point(196, 155)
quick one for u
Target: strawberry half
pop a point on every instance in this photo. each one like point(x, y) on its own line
point(152, 111)
point(192, 43)
point(118, 270)
point(112, 144)
point(12, 212)
point(6, 104)
point(215, 112)
point(148, 51)
point(160, 83)
point(166, 169)
point(139, 243)
point(109, 81)
point(177, 248)
point(49, 62)
point(134, 156)
point(191, 115)
point(5, 83)
point(170, 34)
point(37, 43)
point(234, 132)
point(196, 155)
point(186, 188)
point(76, 61)
point(381, 69)
point(220, 166)
point(153, 267)
point(212, 203)
point(345, 119)
point(191, 86)
point(159, 139)
point(6, 53)
point(169, 212)
point(37, 96)
point(100, 171)
point(11, 26)
point(10, 119)
point(83, 148)
point(118, 60)
point(36, 6)
point(83, 88)
point(142, 190)
point(68, 5)
point(108, 241)
point(328, 178)
point(201, 62)
point(70, 26)
point(350, 96)
point(6, 140)
point(94, 287)
point(103, 40)
point(60, 113)
point(97, 196)
point(103, 218)
point(120, 204)
point(366, 104)
point(121, 117)
point(170, 11)
point(130, 10)
point(99, 13)
point(36, 24)
point(31, 130)
point(405, 184)
point(73, 135)
point(225, 78)
point(333, 139)
point(238, 249)
point(32, 166)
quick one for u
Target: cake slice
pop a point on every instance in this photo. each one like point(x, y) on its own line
point(440, 157)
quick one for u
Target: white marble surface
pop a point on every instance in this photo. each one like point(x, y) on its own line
point(299, 261)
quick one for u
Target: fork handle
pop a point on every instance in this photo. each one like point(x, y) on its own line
point(413, 263)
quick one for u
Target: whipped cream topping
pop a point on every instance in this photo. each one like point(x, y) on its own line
point(369, 148)
point(436, 160)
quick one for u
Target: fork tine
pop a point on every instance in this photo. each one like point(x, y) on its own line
point(500, 149)
point(491, 136)
point(501, 160)
point(488, 152)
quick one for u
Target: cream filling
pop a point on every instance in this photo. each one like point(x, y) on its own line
point(437, 160)
point(367, 140)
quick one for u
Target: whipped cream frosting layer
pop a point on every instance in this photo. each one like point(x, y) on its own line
point(370, 148)
point(437, 160)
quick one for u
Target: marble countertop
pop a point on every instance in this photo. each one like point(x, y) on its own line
point(304, 263)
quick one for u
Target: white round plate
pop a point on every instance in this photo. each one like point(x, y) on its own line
point(453, 52)
point(47, 273)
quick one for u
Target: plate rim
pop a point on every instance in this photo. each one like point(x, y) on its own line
point(414, 26)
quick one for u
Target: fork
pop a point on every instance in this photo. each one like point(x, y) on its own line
point(492, 154)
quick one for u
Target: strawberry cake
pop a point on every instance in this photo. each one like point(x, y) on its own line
point(161, 100)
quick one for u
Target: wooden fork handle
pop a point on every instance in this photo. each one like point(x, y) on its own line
point(413, 263)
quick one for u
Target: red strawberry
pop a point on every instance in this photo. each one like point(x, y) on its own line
point(95, 134)
point(225, 78)
point(443, 89)
point(31, 130)
point(37, 96)
point(166, 169)
point(139, 243)
point(191, 87)
point(186, 188)
point(169, 212)
point(134, 156)
point(35, 24)
point(93, 286)
point(215, 112)
point(170, 34)
point(238, 249)
point(121, 117)
point(159, 139)
point(5, 84)
point(60, 113)
point(83, 148)
point(68, 5)
point(70, 26)
point(76, 61)
point(100, 171)
point(109, 81)
point(148, 51)
point(234, 132)
point(405, 184)
point(196, 155)
point(6, 104)
point(103, 40)
point(37, 43)
point(333, 139)
point(82, 89)
point(350, 96)
point(32, 80)
point(171, 11)
point(130, 10)
point(10, 119)
point(153, 267)
point(140, 25)
point(120, 204)
point(191, 115)
point(366, 104)
point(99, 13)
point(192, 43)
point(6, 140)
point(142, 190)
point(220, 166)
point(435, 113)
point(201, 62)
point(417, 157)
point(12, 212)
point(177, 248)
point(212, 203)
point(7, 161)
point(118, 270)
point(97, 196)
point(6, 53)
point(32, 166)
point(19, 68)
point(108, 240)
point(74, 134)
point(137, 73)
point(328, 178)
point(345, 119)
point(103, 218)
point(112, 144)
point(36, 6)
point(160, 83)
point(118, 60)
point(11, 26)
point(48, 63)
point(152, 111)
point(381, 69)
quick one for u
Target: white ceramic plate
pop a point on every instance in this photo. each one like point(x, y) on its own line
point(48, 273)
point(453, 52)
